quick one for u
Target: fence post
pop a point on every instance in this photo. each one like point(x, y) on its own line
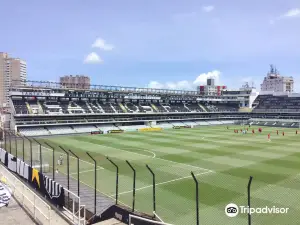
point(23, 149)
point(9, 142)
point(68, 171)
point(78, 178)
point(30, 142)
point(2, 138)
point(41, 159)
point(16, 145)
point(249, 197)
point(134, 178)
point(197, 198)
point(5, 140)
point(117, 179)
point(53, 161)
point(95, 178)
point(154, 192)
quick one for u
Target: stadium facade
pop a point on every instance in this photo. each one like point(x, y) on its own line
point(46, 108)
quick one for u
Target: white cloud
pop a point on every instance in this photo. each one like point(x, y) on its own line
point(93, 58)
point(208, 8)
point(155, 84)
point(201, 79)
point(101, 44)
point(187, 85)
point(292, 13)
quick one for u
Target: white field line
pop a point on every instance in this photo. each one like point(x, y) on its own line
point(183, 164)
point(75, 158)
point(157, 216)
point(86, 171)
point(166, 182)
point(111, 197)
point(154, 155)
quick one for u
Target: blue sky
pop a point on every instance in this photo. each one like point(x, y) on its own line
point(157, 43)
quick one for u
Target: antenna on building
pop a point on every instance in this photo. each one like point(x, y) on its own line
point(272, 69)
point(276, 71)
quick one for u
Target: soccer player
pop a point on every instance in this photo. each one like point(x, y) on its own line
point(61, 159)
point(253, 131)
point(269, 137)
point(277, 132)
point(282, 133)
point(296, 131)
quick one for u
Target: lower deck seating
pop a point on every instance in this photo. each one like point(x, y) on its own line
point(133, 127)
point(61, 130)
point(84, 128)
point(164, 125)
point(37, 131)
point(107, 127)
point(202, 123)
point(177, 123)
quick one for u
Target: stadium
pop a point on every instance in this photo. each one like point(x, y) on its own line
point(158, 156)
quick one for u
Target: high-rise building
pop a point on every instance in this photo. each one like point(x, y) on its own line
point(210, 88)
point(13, 71)
point(273, 82)
point(77, 81)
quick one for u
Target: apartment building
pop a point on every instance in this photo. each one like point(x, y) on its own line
point(77, 81)
point(210, 88)
point(274, 82)
point(13, 71)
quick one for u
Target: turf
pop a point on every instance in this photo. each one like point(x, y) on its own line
point(222, 161)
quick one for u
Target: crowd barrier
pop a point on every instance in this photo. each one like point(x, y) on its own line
point(34, 205)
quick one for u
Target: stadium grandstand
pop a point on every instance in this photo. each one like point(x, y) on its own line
point(45, 108)
point(48, 112)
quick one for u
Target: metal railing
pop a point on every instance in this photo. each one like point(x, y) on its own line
point(38, 208)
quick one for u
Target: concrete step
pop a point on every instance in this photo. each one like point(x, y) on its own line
point(111, 221)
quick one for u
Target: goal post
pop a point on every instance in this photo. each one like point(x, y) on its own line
point(133, 218)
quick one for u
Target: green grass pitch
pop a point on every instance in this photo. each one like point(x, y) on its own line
point(221, 160)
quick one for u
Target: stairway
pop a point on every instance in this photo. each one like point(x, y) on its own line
point(28, 108)
point(113, 108)
point(186, 107)
point(154, 107)
point(164, 107)
point(202, 107)
point(100, 107)
point(122, 107)
point(89, 107)
point(41, 111)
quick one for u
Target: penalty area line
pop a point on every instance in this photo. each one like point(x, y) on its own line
point(166, 182)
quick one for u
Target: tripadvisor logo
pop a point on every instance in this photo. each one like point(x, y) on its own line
point(232, 210)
